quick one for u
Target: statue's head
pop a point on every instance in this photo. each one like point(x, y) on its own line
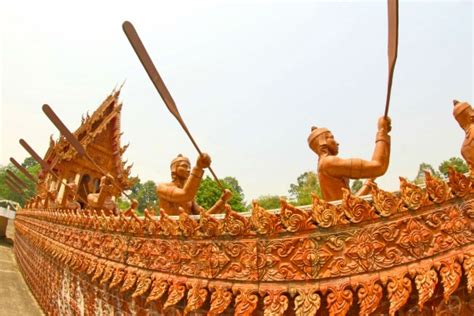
point(180, 167)
point(322, 142)
point(463, 113)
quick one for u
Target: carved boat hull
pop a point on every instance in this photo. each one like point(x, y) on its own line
point(407, 252)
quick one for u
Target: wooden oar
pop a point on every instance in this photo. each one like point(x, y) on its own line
point(160, 86)
point(16, 179)
point(12, 186)
point(23, 170)
point(392, 46)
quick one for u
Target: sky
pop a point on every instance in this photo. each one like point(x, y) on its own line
point(249, 78)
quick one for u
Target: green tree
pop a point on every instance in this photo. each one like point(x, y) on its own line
point(269, 202)
point(145, 194)
point(29, 162)
point(356, 185)
point(234, 184)
point(123, 204)
point(209, 192)
point(307, 183)
point(456, 163)
point(420, 177)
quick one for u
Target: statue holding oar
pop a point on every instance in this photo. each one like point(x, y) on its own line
point(334, 172)
point(464, 115)
point(179, 193)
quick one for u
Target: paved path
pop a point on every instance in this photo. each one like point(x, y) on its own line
point(15, 296)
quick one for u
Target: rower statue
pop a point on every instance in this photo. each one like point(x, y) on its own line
point(464, 115)
point(103, 200)
point(180, 193)
point(334, 172)
point(69, 199)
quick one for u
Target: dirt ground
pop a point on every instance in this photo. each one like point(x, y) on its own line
point(15, 296)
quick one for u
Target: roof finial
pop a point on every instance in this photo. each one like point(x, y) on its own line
point(117, 92)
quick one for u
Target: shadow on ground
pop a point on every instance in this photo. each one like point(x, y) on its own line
point(6, 242)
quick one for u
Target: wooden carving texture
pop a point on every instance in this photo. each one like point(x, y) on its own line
point(298, 260)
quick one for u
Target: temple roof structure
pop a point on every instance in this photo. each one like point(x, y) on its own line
point(99, 134)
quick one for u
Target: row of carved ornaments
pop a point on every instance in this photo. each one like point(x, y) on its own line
point(333, 259)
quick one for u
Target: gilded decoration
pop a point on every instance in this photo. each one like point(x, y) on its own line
point(175, 271)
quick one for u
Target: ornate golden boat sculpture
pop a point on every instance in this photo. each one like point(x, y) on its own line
point(408, 252)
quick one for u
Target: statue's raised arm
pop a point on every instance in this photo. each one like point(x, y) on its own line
point(464, 115)
point(182, 190)
point(334, 172)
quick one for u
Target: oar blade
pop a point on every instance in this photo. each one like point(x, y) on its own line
point(16, 179)
point(35, 156)
point(392, 32)
point(392, 50)
point(64, 130)
point(150, 69)
point(22, 169)
point(12, 187)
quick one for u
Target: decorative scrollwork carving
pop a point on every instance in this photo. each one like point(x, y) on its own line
point(437, 190)
point(197, 295)
point(264, 223)
point(158, 288)
point(209, 226)
point(92, 267)
point(339, 299)
point(307, 302)
point(398, 291)
point(460, 184)
point(468, 209)
point(450, 273)
point(98, 271)
point(168, 226)
point(129, 281)
point(327, 214)
point(369, 293)
point(275, 302)
point(150, 225)
point(118, 276)
point(468, 265)
point(425, 283)
point(386, 203)
point(294, 219)
point(109, 270)
point(355, 208)
point(188, 226)
point(235, 224)
point(220, 299)
point(143, 284)
point(415, 238)
point(176, 292)
point(413, 196)
point(246, 301)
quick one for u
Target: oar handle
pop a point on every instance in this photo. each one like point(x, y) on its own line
point(158, 82)
point(200, 153)
point(389, 89)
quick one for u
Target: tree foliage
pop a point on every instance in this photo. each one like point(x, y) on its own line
point(269, 202)
point(209, 192)
point(420, 176)
point(306, 184)
point(456, 163)
point(145, 194)
point(356, 185)
point(7, 193)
